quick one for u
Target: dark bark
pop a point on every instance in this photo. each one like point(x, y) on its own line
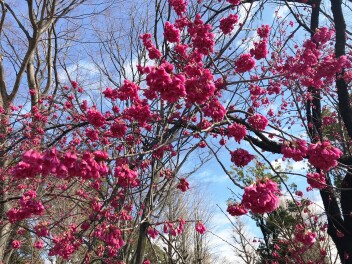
point(340, 50)
point(141, 243)
point(346, 205)
point(345, 245)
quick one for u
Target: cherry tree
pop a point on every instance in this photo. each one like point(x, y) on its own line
point(86, 180)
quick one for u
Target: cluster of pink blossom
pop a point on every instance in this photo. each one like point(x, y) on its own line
point(200, 228)
point(261, 197)
point(256, 90)
point(183, 185)
point(296, 150)
point(264, 31)
point(237, 131)
point(234, 2)
point(118, 129)
point(126, 177)
point(260, 49)
point(128, 90)
point(41, 229)
point(161, 79)
point(258, 121)
point(139, 111)
point(92, 134)
point(171, 33)
point(329, 120)
point(62, 165)
point(159, 151)
point(328, 67)
point(95, 118)
point(152, 232)
point(227, 24)
point(316, 180)
point(174, 230)
point(244, 63)
point(307, 238)
point(29, 206)
point(241, 157)
point(199, 84)
point(323, 35)
point(323, 155)
point(310, 67)
point(180, 6)
point(202, 38)
point(38, 244)
point(30, 166)
point(274, 88)
point(181, 49)
point(236, 209)
point(215, 110)
point(153, 52)
point(16, 244)
point(111, 236)
point(66, 243)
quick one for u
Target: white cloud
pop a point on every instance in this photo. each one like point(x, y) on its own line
point(208, 176)
point(83, 70)
point(282, 11)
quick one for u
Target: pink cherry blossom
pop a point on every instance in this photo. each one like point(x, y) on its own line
point(258, 121)
point(171, 33)
point(16, 244)
point(235, 209)
point(316, 180)
point(244, 63)
point(241, 157)
point(234, 2)
point(228, 24)
point(237, 131)
point(153, 52)
point(179, 6)
point(183, 185)
point(296, 150)
point(264, 31)
point(323, 155)
point(152, 232)
point(200, 228)
point(261, 197)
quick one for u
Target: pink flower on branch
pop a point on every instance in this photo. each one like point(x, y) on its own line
point(202, 38)
point(235, 209)
point(228, 24)
point(183, 185)
point(264, 31)
point(152, 232)
point(261, 197)
point(171, 33)
point(180, 6)
point(153, 52)
point(244, 63)
point(234, 2)
point(316, 180)
point(200, 228)
point(241, 157)
point(258, 121)
point(237, 131)
point(16, 244)
point(323, 155)
point(296, 150)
